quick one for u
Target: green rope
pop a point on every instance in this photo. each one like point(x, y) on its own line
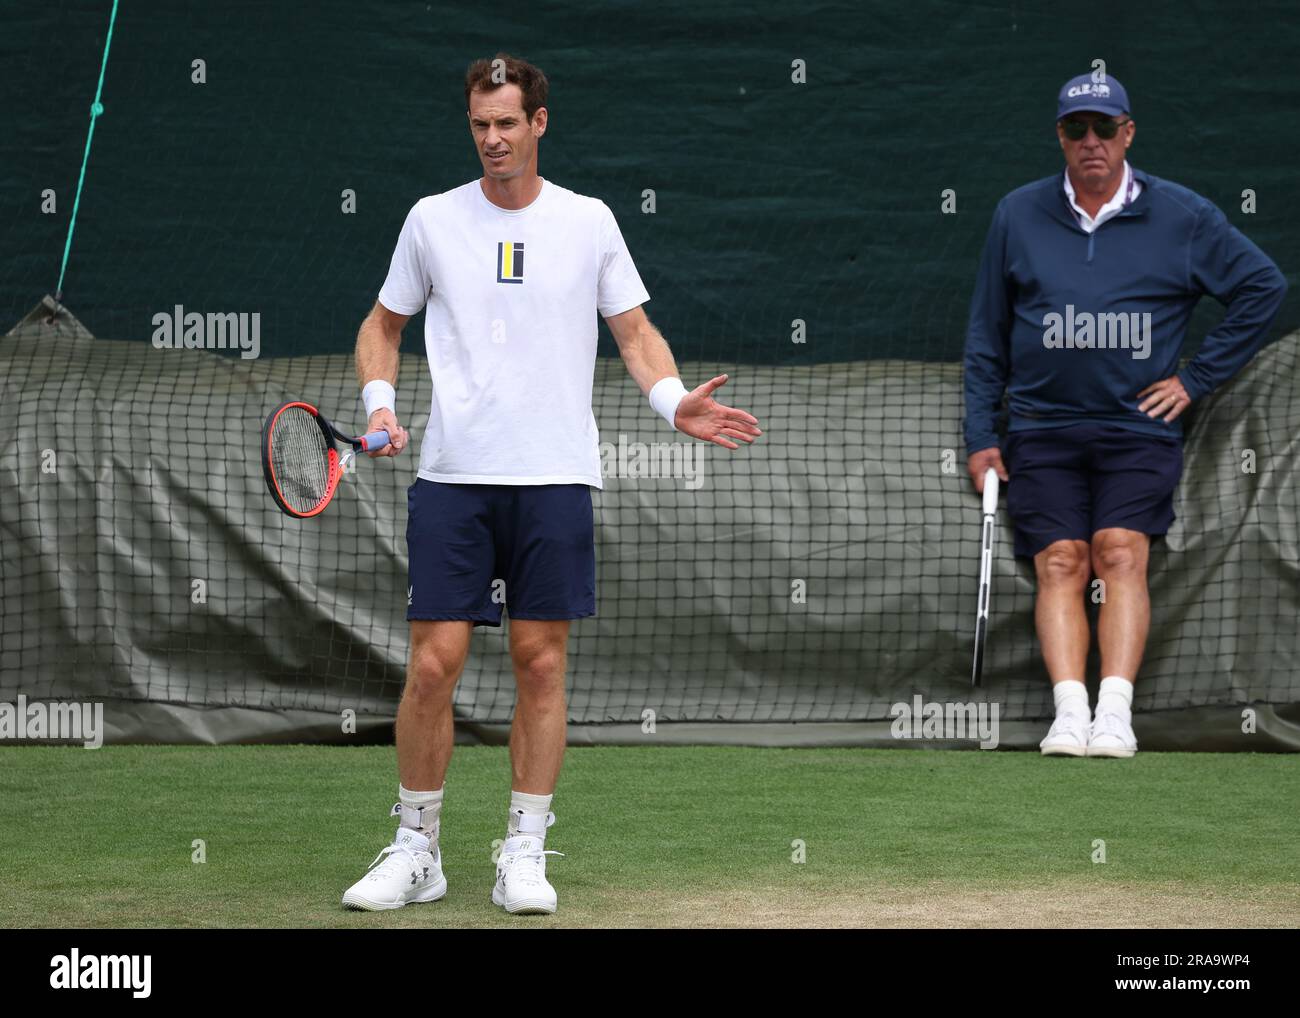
point(96, 108)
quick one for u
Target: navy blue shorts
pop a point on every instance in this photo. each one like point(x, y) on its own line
point(1068, 483)
point(478, 548)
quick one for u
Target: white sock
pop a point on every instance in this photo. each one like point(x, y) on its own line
point(1071, 697)
point(1116, 697)
point(430, 802)
point(526, 802)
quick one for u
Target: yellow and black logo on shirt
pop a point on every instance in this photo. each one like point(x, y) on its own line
point(510, 262)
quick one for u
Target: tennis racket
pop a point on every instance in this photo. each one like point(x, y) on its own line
point(986, 572)
point(300, 458)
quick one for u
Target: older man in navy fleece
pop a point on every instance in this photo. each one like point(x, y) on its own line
point(1085, 290)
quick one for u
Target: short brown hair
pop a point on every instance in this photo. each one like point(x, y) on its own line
point(530, 79)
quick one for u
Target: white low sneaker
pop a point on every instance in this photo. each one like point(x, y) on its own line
point(522, 887)
point(1112, 736)
point(409, 873)
point(1068, 736)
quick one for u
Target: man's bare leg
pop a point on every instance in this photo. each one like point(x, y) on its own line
point(1119, 558)
point(1063, 569)
point(1062, 622)
point(425, 733)
point(538, 649)
point(410, 870)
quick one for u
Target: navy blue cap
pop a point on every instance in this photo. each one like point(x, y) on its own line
point(1082, 93)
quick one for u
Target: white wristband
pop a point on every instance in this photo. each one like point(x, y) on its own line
point(379, 395)
point(665, 395)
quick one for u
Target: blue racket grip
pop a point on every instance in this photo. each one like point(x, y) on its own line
point(374, 441)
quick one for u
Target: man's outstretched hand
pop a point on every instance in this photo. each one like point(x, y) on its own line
point(701, 416)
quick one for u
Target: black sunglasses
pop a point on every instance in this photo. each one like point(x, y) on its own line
point(1103, 127)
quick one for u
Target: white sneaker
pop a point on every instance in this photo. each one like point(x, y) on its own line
point(1112, 736)
point(522, 887)
point(409, 873)
point(1068, 736)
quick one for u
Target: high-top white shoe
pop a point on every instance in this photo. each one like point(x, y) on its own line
point(411, 871)
point(1068, 735)
point(522, 887)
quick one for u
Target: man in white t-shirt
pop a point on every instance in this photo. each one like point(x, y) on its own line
point(510, 271)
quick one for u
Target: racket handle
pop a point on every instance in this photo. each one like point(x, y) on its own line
point(990, 491)
point(374, 441)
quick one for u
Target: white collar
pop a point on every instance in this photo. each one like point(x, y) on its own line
point(1128, 189)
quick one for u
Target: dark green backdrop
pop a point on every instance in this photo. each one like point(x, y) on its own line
point(775, 201)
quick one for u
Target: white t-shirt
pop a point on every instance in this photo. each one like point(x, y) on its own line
point(510, 329)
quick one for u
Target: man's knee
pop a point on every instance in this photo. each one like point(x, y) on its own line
point(539, 666)
point(1117, 554)
point(437, 659)
point(1063, 564)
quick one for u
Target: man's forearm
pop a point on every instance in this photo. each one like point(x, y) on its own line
point(376, 353)
point(648, 358)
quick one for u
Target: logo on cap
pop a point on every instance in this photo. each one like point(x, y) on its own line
point(1101, 91)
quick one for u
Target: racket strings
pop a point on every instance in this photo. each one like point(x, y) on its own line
point(300, 459)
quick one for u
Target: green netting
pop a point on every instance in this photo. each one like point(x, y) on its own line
point(775, 203)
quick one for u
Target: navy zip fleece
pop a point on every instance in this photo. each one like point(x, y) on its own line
point(1113, 305)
